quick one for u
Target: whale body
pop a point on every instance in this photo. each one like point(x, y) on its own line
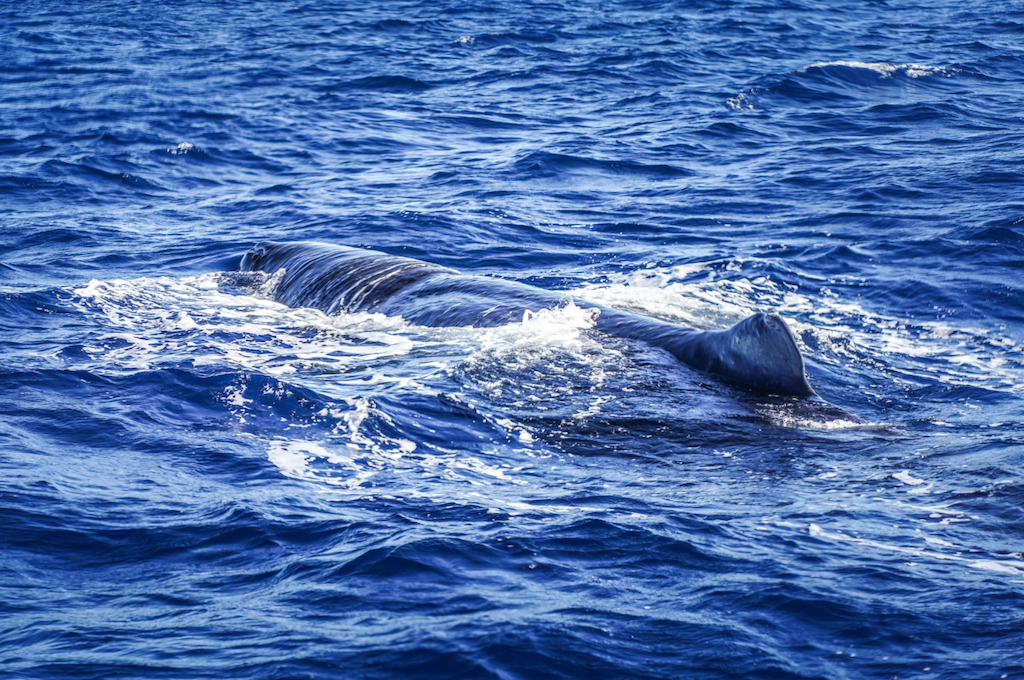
point(758, 353)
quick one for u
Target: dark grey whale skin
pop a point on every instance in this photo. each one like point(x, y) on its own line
point(759, 353)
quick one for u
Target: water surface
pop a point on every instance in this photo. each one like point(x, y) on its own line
point(199, 482)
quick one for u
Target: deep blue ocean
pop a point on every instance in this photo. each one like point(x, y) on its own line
point(199, 482)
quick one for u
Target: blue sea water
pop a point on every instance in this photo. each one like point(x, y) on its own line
point(198, 482)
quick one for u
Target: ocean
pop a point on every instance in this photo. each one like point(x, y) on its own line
point(200, 482)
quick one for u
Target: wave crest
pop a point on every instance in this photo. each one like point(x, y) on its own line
point(838, 82)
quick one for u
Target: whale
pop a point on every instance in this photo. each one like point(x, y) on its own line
point(759, 354)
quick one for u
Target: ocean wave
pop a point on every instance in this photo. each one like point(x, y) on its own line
point(545, 165)
point(389, 83)
point(840, 83)
point(198, 481)
point(330, 372)
point(884, 69)
point(185, 148)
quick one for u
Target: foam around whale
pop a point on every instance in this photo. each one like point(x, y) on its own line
point(758, 353)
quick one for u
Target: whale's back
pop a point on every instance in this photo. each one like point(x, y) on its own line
point(758, 353)
point(336, 278)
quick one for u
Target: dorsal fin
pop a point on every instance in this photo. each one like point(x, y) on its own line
point(761, 352)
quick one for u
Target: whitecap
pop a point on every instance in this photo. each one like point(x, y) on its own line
point(182, 149)
point(1010, 566)
point(152, 322)
point(744, 101)
point(883, 69)
point(907, 478)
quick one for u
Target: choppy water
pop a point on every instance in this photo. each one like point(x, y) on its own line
point(198, 482)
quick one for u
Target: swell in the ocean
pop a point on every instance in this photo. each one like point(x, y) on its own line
point(199, 481)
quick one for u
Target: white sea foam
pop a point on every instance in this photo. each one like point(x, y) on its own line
point(907, 478)
point(804, 416)
point(151, 323)
point(541, 335)
point(356, 460)
point(549, 361)
point(1007, 566)
point(707, 295)
point(711, 302)
point(744, 101)
point(182, 149)
point(884, 69)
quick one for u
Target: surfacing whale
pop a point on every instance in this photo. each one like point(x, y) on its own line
point(759, 353)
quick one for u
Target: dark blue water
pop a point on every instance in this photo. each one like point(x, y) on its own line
point(198, 482)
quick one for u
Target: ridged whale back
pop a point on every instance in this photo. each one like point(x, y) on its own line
point(336, 278)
